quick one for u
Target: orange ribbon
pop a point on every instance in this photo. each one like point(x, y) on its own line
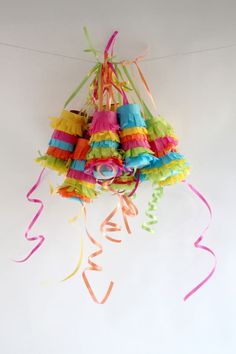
point(145, 82)
point(127, 208)
point(108, 226)
point(135, 62)
point(93, 266)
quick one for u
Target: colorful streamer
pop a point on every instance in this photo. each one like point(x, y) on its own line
point(93, 266)
point(152, 207)
point(112, 143)
point(198, 244)
point(39, 238)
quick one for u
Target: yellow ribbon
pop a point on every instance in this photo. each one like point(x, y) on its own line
point(72, 220)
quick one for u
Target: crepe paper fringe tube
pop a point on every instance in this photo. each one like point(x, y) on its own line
point(138, 152)
point(161, 136)
point(63, 140)
point(69, 122)
point(78, 184)
point(104, 143)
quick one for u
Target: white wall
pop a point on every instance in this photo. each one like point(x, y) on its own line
point(145, 313)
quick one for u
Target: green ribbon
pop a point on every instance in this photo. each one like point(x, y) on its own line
point(91, 47)
point(147, 112)
point(95, 69)
point(152, 207)
point(82, 83)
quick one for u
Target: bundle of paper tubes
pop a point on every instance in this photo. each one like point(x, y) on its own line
point(112, 142)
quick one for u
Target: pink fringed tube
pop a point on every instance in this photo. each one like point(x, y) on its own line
point(104, 160)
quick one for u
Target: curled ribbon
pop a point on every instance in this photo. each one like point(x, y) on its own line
point(108, 78)
point(127, 208)
point(93, 266)
point(82, 83)
point(146, 111)
point(77, 268)
point(135, 62)
point(108, 226)
point(136, 184)
point(152, 207)
point(198, 244)
point(39, 238)
point(145, 83)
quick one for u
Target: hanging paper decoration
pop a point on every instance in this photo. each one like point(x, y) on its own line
point(134, 137)
point(104, 160)
point(113, 143)
point(78, 184)
point(161, 136)
point(67, 127)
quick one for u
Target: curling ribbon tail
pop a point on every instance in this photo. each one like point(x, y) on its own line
point(109, 226)
point(77, 268)
point(152, 207)
point(198, 244)
point(93, 266)
point(39, 238)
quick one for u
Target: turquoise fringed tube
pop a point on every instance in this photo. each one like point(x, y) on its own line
point(134, 137)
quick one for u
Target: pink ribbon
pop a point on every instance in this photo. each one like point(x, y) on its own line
point(198, 244)
point(39, 238)
point(111, 43)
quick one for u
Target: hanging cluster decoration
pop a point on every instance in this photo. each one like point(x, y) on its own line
point(113, 143)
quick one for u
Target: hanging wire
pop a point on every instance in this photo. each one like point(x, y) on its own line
point(39, 51)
